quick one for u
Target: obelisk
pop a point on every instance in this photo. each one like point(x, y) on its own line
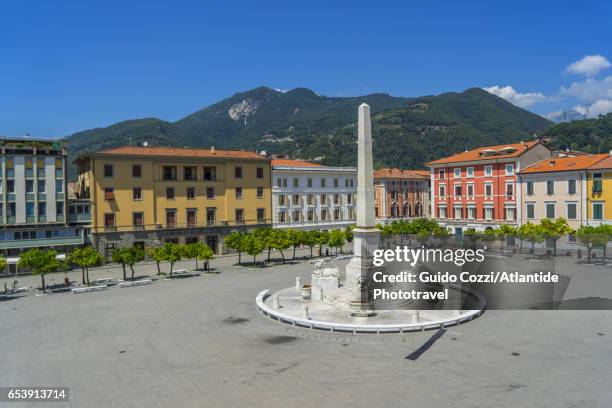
point(366, 235)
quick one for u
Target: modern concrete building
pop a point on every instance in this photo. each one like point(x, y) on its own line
point(34, 201)
point(311, 196)
point(146, 196)
point(477, 188)
point(401, 194)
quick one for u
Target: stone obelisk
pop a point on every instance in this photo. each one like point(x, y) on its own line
point(366, 235)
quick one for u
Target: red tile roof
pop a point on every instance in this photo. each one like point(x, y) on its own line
point(401, 173)
point(555, 164)
point(293, 163)
point(182, 152)
point(496, 152)
point(606, 163)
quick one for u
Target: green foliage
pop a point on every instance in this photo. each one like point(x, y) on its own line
point(532, 233)
point(172, 253)
point(40, 262)
point(337, 239)
point(443, 234)
point(235, 241)
point(253, 245)
point(2, 263)
point(504, 232)
point(157, 254)
point(591, 135)
point(85, 258)
point(592, 237)
point(198, 250)
point(555, 230)
point(131, 256)
point(281, 240)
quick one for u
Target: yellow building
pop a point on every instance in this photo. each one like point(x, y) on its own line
point(599, 192)
point(150, 195)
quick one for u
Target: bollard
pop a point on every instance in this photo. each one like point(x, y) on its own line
point(305, 311)
point(415, 317)
point(275, 302)
point(298, 284)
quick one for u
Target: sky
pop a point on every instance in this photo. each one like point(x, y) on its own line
point(67, 66)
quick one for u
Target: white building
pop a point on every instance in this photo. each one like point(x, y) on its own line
point(311, 196)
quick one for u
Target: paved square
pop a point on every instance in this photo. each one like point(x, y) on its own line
point(200, 342)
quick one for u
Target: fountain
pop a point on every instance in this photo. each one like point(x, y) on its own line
point(330, 303)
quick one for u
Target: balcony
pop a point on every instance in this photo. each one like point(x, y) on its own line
point(79, 217)
point(42, 242)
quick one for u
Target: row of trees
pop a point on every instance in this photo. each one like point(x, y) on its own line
point(42, 262)
point(267, 239)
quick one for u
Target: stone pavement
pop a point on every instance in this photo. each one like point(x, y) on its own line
point(200, 342)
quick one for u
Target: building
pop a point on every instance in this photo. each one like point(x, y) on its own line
point(557, 187)
point(33, 204)
point(477, 188)
point(599, 193)
point(311, 196)
point(146, 196)
point(401, 194)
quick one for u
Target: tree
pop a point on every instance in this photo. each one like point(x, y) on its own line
point(172, 253)
point(323, 240)
point(472, 235)
point(157, 253)
point(280, 240)
point(555, 230)
point(266, 236)
point(311, 239)
point(443, 234)
point(40, 262)
point(348, 233)
point(131, 256)
point(235, 241)
point(386, 233)
point(533, 234)
point(198, 250)
point(85, 258)
point(591, 237)
point(253, 245)
point(2, 263)
point(118, 258)
point(503, 232)
point(336, 240)
point(423, 237)
point(297, 238)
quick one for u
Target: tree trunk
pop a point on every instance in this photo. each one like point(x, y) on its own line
point(239, 257)
point(311, 252)
point(132, 269)
point(171, 266)
point(269, 250)
point(158, 268)
point(87, 274)
point(83, 273)
point(124, 275)
point(555, 248)
point(282, 255)
point(196, 263)
point(206, 266)
point(520, 246)
point(254, 259)
point(294, 247)
point(589, 254)
point(42, 277)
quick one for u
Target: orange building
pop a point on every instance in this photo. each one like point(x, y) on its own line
point(401, 194)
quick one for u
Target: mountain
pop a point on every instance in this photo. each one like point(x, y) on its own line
point(409, 131)
point(590, 135)
point(565, 116)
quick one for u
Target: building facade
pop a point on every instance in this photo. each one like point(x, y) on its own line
point(557, 188)
point(478, 188)
point(401, 194)
point(34, 201)
point(599, 192)
point(146, 196)
point(311, 196)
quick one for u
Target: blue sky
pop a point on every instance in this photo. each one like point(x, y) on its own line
point(67, 66)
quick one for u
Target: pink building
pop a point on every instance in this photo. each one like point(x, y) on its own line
point(478, 188)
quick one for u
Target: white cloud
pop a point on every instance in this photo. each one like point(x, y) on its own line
point(590, 65)
point(590, 90)
point(523, 100)
point(599, 107)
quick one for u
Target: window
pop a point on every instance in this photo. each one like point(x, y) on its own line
point(471, 213)
point(598, 211)
point(109, 220)
point(458, 212)
point(189, 173)
point(336, 183)
point(296, 216)
point(281, 199)
point(530, 211)
point(238, 172)
point(550, 187)
point(441, 212)
point(59, 163)
point(488, 190)
point(108, 170)
point(170, 218)
point(191, 193)
point(322, 181)
point(470, 190)
point(41, 186)
point(42, 209)
point(337, 214)
point(59, 186)
point(489, 213)
point(211, 215)
point(346, 183)
point(310, 215)
point(530, 188)
point(295, 199)
point(442, 191)
point(170, 193)
point(323, 199)
point(282, 216)
point(442, 174)
point(261, 215)
point(309, 182)
point(169, 172)
point(239, 213)
point(109, 193)
point(279, 182)
point(597, 183)
point(509, 169)
point(10, 186)
point(210, 193)
point(571, 187)
point(137, 193)
point(29, 209)
point(59, 207)
point(30, 186)
point(296, 182)
point(138, 219)
point(136, 170)
point(260, 192)
point(571, 211)
point(458, 191)
point(210, 173)
point(550, 210)
point(28, 163)
point(509, 191)
point(349, 198)
point(457, 172)
point(470, 172)
point(488, 171)
point(324, 215)
point(10, 210)
point(192, 217)
point(310, 199)
point(510, 214)
point(352, 182)
point(260, 172)
point(284, 182)
point(336, 199)
point(238, 192)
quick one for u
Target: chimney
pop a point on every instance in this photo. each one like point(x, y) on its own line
point(212, 149)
